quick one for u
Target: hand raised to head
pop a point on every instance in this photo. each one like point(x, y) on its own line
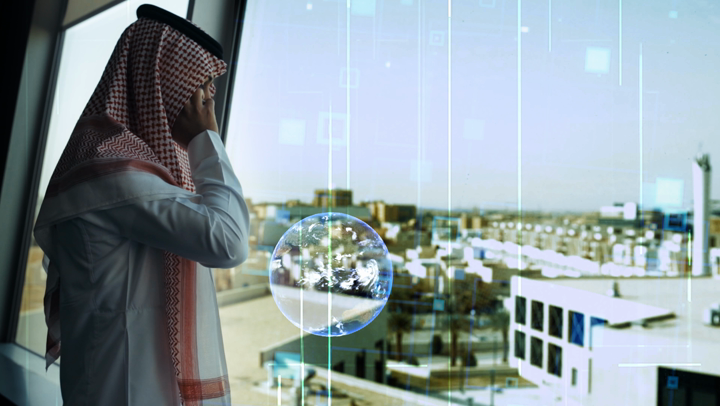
point(197, 115)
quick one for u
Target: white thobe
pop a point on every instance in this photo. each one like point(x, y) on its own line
point(112, 293)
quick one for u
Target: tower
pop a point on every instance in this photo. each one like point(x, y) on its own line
point(701, 207)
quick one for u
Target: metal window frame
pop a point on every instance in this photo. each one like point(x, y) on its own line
point(20, 235)
point(90, 15)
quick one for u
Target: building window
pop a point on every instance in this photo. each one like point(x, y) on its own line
point(555, 321)
point(360, 364)
point(596, 334)
point(573, 381)
point(537, 315)
point(554, 360)
point(520, 309)
point(519, 344)
point(576, 331)
point(536, 351)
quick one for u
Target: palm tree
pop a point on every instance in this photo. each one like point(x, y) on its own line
point(500, 321)
point(399, 323)
point(468, 294)
point(457, 323)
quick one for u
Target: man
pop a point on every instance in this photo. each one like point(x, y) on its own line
point(141, 197)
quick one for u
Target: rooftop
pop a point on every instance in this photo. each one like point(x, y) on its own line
point(686, 297)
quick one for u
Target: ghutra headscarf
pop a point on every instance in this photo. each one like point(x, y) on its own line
point(125, 129)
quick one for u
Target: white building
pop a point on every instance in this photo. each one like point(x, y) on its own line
point(587, 348)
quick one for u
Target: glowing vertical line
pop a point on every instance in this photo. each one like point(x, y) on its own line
point(449, 147)
point(640, 128)
point(449, 179)
point(519, 125)
point(279, 393)
point(620, 42)
point(329, 263)
point(302, 328)
point(420, 106)
point(347, 97)
point(549, 25)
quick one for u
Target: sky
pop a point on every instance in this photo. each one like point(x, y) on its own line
point(441, 111)
point(410, 106)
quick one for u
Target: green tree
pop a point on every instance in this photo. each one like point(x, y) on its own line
point(500, 321)
point(467, 294)
point(400, 319)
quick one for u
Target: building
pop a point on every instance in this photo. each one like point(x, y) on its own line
point(391, 213)
point(701, 215)
point(332, 197)
point(587, 348)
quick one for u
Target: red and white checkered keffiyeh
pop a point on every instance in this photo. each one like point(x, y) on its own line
point(152, 72)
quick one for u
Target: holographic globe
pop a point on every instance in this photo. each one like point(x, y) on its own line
point(330, 275)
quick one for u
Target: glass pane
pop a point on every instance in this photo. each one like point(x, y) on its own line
point(86, 49)
point(561, 136)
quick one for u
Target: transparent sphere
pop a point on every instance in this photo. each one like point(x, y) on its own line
point(330, 275)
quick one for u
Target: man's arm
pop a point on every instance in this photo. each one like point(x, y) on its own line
point(210, 227)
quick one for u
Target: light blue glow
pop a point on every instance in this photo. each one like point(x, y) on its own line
point(597, 60)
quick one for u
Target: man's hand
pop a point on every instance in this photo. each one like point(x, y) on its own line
point(197, 115)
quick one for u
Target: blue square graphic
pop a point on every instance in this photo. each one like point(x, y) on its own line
point(437, 38)
point(673, 14)
point(676, 222)
point(363, 8)
point(597, 60)
point(487, 3)
point(673, 382)
point(438, 305)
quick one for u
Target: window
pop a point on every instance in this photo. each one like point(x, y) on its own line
point(574, 377)
point(536, 352)
point(519, 344)
point(538, 315)
point(596, 331)
point(677, 387)
point(555, 321)
point(576, 330)
point(371, 100)
point(339, 367)
point(360, 364)
point(86, 49)
point(520, 309)
point(554, 362)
